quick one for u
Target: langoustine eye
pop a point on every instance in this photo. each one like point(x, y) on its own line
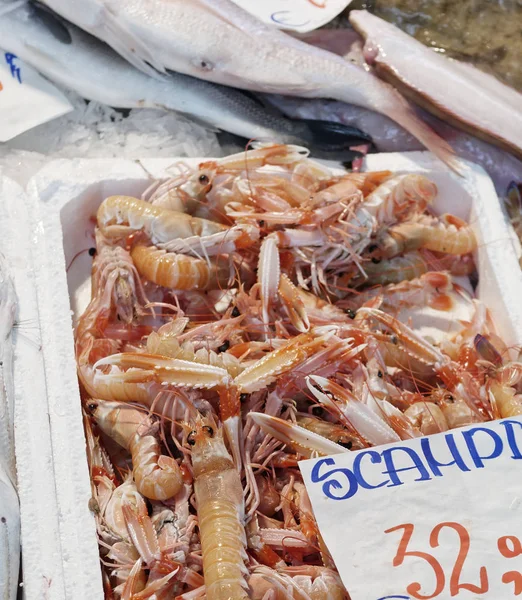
point(191, 439)
point(208, 430)
point(91, 407)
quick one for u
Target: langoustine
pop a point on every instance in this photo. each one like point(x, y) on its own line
point(298, 354)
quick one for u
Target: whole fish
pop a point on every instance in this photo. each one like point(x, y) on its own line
point(9, 507)
point(457, 92)
point(218, 41)
point(502, 167)
point(76, 60)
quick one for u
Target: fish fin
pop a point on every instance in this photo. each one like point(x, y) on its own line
point(128, 45)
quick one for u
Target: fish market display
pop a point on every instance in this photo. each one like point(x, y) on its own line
point(72, 58)
point(9, 507)
point(217, 41)
point(473, 100)
point(251, 312)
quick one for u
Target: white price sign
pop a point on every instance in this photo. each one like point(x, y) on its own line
point(294, 15)
point(434, 517)
point(26, 98)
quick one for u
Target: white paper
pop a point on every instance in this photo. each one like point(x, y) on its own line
point(26, 98)
point(461, 521)
point(294, 15)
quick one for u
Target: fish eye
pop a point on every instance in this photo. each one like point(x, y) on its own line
point(203, 179)
point(208, 430)
point(191, 439)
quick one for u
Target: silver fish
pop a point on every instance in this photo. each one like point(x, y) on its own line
point(218, 41)
point(76, 60)
point(9, 507)
point(454, 91)
point(387, 136)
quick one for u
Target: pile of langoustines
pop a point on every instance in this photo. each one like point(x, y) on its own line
point(246, 314)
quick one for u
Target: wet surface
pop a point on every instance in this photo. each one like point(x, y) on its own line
point(486, 33)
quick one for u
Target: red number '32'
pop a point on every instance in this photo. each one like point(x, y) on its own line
point(414, 589)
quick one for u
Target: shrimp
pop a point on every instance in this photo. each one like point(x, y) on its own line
point(165, 342)
point(297, 583)
point(118, 216)
point(457, 412)
point(220, 510)
point(368, 181)
point(117, 296)
point(304, 441)
point(399, 196)
point(331, 431)
point(371, 426)
point(177, 271)
point(183, 193)
point(344, 189)
point(276, 363)
point(392, 271)
point(427, 417)
point(157, 477)
point(504, 399)
point(284, 155)
point(148, 374)
point(448, 234)
point(452, 236)
point(162, 569)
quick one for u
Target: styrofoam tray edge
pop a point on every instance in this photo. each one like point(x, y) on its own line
point(78, 543)
point(42, 565)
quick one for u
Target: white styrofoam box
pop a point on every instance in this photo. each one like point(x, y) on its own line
point(42, 565)
point(63, 198)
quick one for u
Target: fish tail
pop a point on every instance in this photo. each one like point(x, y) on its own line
point(404, 115)
point(328, 139)
point(335, 135)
